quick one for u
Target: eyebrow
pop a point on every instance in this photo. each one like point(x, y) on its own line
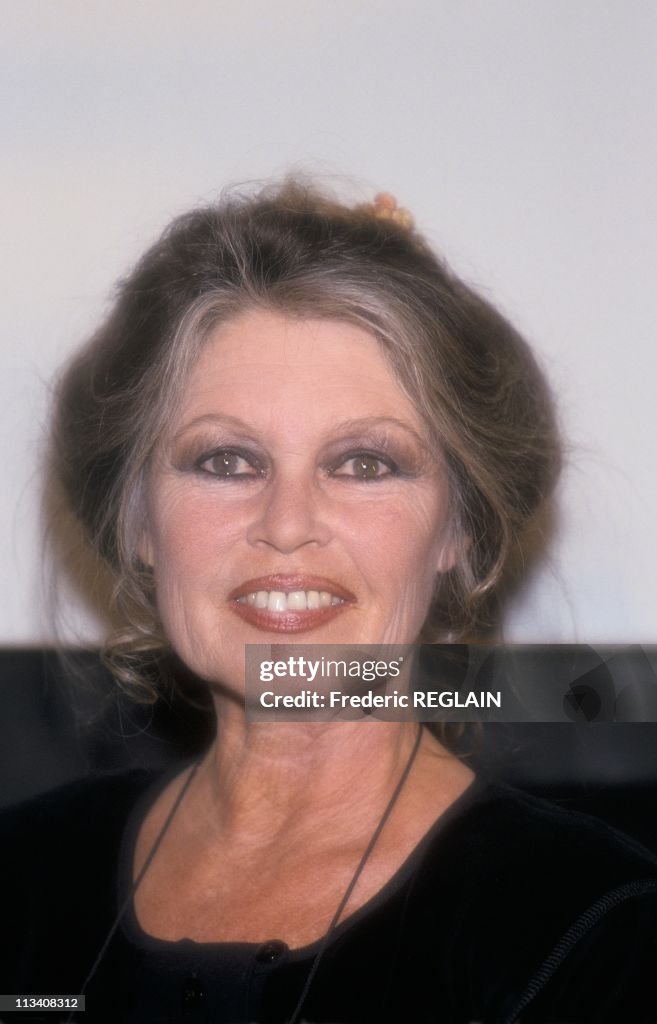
point(351, 426)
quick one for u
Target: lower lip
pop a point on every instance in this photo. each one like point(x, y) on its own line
point(287, 622)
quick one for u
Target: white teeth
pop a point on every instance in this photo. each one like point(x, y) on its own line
point(277, 601)
point(296, 600)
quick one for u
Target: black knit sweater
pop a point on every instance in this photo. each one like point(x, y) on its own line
point(510, 909)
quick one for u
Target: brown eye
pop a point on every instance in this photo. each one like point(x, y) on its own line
point(364, 467)
point(227, 463)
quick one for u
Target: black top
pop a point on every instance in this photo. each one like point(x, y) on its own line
point(510, 909)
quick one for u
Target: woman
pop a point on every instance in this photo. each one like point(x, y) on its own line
point(297, 425)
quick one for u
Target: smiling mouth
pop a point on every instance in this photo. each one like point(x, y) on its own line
point(296, 601)
point(289, 604)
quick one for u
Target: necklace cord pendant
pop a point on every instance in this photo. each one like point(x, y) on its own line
point(137, 882)
point(294, 1019)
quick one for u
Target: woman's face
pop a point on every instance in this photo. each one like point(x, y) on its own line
point(294, 498)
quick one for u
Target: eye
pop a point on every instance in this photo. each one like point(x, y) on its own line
point(365, 466)
point(227, 463)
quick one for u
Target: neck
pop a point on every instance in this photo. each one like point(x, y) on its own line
point(263, 779)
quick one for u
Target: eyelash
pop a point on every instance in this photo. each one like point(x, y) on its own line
point(258, 469)
point(391, 467)
point(231, 453)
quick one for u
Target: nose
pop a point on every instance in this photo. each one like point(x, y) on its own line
point(291, 514)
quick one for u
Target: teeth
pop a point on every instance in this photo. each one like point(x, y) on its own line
point(296, 600)
point(277, 601)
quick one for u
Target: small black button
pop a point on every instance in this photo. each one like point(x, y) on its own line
point(271, 951)
point(193, 993)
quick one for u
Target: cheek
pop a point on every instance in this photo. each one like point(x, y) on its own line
point(186, 532)
point(404, 544)
point(188, 582)
point(186, 546)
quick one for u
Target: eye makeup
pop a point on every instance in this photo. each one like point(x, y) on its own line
point(364, 466)
point(238, 454)
point(189, 452)
point(227, 463)
point(399, 451)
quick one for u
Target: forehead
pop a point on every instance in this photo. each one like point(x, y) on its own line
point(264, 363)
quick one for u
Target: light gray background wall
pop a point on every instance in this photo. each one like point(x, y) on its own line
point(521, 133)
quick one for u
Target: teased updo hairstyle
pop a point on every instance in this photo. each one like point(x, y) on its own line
point(292, 249)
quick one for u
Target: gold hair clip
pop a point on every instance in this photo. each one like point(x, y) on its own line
point(385, 207)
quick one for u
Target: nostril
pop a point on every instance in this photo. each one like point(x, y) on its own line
point(291, 516)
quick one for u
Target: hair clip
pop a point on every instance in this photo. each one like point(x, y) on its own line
point(384, 207)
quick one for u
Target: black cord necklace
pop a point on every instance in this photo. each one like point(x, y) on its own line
point(335, 919)
point(359, 870)
point(137, 882)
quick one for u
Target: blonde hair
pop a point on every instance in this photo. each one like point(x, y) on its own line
point(292, 248)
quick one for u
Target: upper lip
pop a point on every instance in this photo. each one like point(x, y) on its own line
point(289, 582)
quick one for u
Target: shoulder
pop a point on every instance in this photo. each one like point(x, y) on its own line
point(79, 808)
point(511, 849)
point(69, 836)
point(541, 901)
point(60, 857)
point(531, 835)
